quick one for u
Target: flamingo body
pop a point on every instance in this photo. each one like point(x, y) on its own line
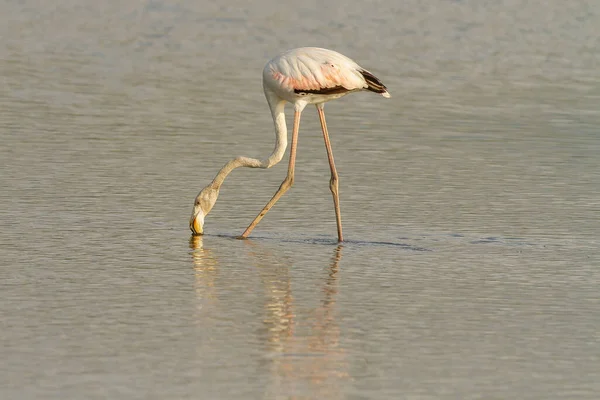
point(314, 75)
point(307, 75)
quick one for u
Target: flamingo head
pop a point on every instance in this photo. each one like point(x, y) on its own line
point(204, 202)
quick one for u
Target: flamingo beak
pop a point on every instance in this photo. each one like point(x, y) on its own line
point(197, 223)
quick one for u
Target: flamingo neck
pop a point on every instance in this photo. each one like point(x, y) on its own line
point(277, 112)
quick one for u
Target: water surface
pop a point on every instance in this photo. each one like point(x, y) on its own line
point(469, 200)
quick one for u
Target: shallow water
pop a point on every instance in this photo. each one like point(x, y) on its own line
point(469, 200)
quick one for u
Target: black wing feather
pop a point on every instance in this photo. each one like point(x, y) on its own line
point(330, 90)
point(373, 84)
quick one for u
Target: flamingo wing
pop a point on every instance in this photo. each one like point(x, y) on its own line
point(312, 70)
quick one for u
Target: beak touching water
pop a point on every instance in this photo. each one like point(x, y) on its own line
point(197, 222)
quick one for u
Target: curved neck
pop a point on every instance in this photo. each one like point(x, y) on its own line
point(277, 112)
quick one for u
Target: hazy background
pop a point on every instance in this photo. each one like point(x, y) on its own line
point(470, 203)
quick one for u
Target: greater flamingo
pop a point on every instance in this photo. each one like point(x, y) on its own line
point(303, 76)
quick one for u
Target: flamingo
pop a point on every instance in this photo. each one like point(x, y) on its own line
point(302, 76)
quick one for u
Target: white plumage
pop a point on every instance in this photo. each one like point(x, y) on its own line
point(298, 72)
point(307, 75)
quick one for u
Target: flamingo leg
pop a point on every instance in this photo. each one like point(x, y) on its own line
point(333, 183)
point(287, 182)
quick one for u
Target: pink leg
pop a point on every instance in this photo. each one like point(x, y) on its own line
point(333, 183)
point(286, 184)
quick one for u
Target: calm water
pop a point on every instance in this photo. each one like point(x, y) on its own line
point(470, 203)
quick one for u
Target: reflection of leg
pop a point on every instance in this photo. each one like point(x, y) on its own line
point(331, 283)
point(337, 257)
point(286, 184)
point(333, 183)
